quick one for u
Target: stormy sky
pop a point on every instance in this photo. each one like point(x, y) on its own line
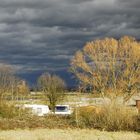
point(43, 35)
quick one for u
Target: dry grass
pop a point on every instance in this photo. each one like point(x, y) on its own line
point(111, 118)
point(68, 134)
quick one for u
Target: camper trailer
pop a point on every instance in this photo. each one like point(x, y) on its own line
point(63, 110)
point(39, 110)
point(42, 110)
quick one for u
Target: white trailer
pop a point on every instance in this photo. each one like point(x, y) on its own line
point(42, 110)
point(39, 110)
point(63, 110)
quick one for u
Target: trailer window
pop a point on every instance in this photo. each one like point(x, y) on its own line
point(61, 108)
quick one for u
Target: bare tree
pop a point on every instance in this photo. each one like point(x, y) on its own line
point(109, 66)
point(53, 87)
point(10, 85)
point(22, 88)
point(6, 78)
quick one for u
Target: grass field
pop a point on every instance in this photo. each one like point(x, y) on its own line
point(68, 134)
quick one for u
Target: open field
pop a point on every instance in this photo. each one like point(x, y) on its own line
point(68, 134)
point(70, 98)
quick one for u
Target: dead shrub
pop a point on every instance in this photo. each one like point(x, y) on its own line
point(33, 122)
point(7, 110)
point(112, 118)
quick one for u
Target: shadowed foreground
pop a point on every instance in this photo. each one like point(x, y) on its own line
point(69, 134)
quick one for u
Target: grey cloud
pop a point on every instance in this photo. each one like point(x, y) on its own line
point(44, 34)
point(129, 3)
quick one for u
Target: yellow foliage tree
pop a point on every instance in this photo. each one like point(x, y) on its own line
point(109, 66)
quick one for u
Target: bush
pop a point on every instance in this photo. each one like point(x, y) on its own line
point(111, 118)
point(137, 128)
point(32, 122)
point(118, 118)
point(7, 111)
point(12, 117)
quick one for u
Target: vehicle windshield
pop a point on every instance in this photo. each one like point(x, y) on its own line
point(61, 108)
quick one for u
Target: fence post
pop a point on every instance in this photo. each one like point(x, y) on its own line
point(138, 105)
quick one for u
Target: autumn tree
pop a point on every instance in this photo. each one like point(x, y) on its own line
point(53, 87)
point(109, 66)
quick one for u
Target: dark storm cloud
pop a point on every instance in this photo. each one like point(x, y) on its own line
point(130, 3)
point(44, 34)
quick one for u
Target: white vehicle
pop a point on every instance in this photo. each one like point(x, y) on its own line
point(39, 110)
point(63, 110)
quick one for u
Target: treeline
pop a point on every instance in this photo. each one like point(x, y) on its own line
point(52, 87)
point(108, 67)
point(10, 85)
